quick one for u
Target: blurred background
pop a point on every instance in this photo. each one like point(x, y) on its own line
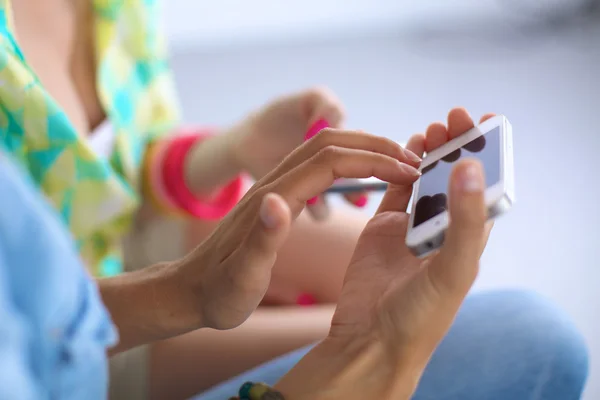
point(399, 65)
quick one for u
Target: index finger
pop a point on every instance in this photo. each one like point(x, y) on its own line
point(342, 139)
point(319, 172)
point(396, 197)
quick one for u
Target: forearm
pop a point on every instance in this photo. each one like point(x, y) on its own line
point(150, 304)
point(334, 370)
point(211, 163)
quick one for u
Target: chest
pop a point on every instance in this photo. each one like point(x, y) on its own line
point(57, 39)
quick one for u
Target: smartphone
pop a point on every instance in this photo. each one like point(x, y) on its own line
point(357, 185)
point(491, 143)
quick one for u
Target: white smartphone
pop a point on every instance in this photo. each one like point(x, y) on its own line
point(491, 143)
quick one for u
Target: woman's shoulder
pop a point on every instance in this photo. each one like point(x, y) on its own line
point(137, 83)
point(143, 35)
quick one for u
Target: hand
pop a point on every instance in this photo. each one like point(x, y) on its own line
point(230, 271)
point(269, 135)
point(395, 308)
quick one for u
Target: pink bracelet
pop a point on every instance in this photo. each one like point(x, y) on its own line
point(176, 191)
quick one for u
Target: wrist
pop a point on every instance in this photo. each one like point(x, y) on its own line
point(240, 146)
point(192, 174)
point(184, 278)
point(355, 369)
point(214, 161)
point(153, 303)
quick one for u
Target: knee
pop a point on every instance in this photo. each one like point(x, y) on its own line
point(552, 350)
point(553, 337)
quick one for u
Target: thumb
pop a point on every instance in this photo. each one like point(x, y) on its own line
point(456, 266)
point(259, 250)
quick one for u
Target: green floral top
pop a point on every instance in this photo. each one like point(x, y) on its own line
point(95, 197)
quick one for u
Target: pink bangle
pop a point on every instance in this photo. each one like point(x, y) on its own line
point(173, 179)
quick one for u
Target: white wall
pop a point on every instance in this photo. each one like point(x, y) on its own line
point(550, 90)
point(215, 23)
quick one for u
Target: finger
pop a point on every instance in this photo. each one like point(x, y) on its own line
point(256, 255)
point(435, 136)
point(359, 140)
point(486, 117)
point(397, 197)
point(459, 121)
point(356, 196)
point(358, 199)
point(455, 267)
point(324, 104)
point(315, 175)
point(486, 234)
point(332, 113)
point(416, 144)
point(339, 139)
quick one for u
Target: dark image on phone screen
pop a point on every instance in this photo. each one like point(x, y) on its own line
point(432, 198)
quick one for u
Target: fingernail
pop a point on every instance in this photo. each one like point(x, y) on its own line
point(412, 156)
point(306, 299)
point(265, 215)
point(316, 128)
point(411, 170)
point(312, 201)
point(471, 179)
point(361, 201)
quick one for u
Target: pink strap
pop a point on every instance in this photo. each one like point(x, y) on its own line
point(173, 178)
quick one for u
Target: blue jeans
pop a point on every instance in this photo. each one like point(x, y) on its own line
point(504, 345)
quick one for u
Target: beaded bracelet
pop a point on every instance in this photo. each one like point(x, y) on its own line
point(257, 391)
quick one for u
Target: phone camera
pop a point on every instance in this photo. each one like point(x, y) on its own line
point(429, 245)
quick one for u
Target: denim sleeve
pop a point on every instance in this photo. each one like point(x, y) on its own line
point(54, 329)
point(17, 378)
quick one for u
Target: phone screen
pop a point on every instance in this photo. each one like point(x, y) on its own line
point(432, 198)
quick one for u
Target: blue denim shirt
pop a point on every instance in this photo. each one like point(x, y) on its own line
point(54, 329)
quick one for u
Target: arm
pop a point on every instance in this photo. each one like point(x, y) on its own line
point(211, 163)
point(150, 304)
point(194, 173)
point(157, 303)
point(351, 370)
